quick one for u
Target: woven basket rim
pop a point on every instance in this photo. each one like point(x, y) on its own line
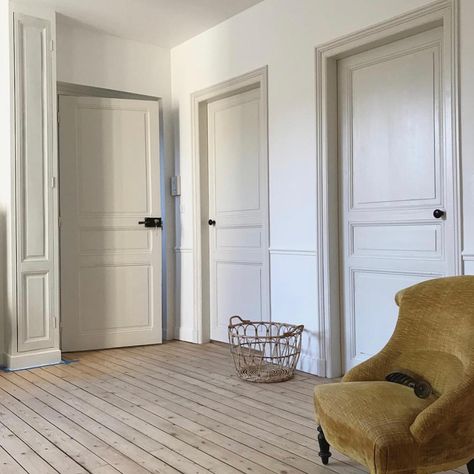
point(293, 329)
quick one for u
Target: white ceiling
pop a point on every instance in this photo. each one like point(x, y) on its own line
point(165, 23)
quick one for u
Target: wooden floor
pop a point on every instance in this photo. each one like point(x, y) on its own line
point(164, 409)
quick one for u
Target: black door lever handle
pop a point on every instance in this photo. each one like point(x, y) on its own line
point(151, 222)
point(211, 222)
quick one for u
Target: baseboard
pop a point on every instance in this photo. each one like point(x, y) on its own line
point(312, 365)
point(32, 359)
point(186, 334)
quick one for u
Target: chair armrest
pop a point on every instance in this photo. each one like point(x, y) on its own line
point(375, 368)
point(451, 415)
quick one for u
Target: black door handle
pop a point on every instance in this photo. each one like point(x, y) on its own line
point(438, 213)
point(151, 222)
point(211, 222)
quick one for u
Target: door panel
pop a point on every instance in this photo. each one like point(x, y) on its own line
point(373, 318)
point(397, 99)
point(121, 290)
point(110, 265)
point(238, 291)
point(123, 157)
point(238, 202)
point(393, 175)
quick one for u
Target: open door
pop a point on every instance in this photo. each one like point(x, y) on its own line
point(110, 260)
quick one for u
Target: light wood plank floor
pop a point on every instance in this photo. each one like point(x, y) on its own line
point(163, 409)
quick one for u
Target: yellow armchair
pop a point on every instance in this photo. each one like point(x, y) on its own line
point(384, 425)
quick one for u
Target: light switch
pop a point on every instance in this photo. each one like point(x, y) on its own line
point(175, 185)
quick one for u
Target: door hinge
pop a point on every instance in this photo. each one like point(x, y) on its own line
point(51, 45)
point(60, 222)
point(53, 182)
point(57, 115)
point(55, 321)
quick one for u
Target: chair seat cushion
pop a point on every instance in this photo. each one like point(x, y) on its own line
point(370, 422)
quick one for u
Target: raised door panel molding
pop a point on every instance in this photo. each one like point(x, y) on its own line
point(114, 240)
point(33, 98)
point(128, 162)
point(412, 75)
point(34, 186)
point(406, 240)
point(34, 328)
point(371, 290)
point(99, 287)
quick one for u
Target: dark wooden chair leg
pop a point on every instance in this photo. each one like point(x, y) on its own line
point(470, 467)
point(324, 452)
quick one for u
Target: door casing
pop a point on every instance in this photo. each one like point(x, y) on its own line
point(199, 102)
point(443, 13)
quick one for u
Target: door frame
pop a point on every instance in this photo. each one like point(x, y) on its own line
point(199, 101)
point(80, 90)
point(442, 13)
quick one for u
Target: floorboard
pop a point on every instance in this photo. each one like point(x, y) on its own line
point(174, 408)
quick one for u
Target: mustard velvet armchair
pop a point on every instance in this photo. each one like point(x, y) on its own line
point(384, 425)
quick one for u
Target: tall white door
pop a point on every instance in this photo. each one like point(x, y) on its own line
point(110, 263)
point(238, 211)
point(396, 184)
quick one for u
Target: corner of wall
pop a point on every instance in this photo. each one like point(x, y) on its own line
point(6, 141)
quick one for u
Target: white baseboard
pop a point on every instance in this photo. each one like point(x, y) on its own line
point(186, 334)
point(312, 365)
point(32, 359)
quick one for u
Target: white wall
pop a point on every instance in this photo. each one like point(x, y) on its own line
point(283, 34)
point(92, 58)
point(5, 162)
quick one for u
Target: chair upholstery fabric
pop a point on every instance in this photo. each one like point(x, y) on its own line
point(383, 425)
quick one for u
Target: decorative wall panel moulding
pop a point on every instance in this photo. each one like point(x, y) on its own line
point(301, 253)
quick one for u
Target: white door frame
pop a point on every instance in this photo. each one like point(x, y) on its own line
point(199, 101)
point(440, 13)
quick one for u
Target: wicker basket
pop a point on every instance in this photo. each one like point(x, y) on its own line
point(264, 351)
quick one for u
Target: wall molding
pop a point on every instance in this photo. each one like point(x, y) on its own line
point(295, 252)
point(439, 13)
point(180, 250)
point(468, 257)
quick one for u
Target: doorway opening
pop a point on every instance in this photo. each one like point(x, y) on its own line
point(231, 210)
point(112, 255)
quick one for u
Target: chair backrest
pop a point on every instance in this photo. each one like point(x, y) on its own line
point(434, 336)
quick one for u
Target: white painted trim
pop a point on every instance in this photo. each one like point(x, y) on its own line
point(185, 333)
point(180, 250)
point(300, 253)
point(310, 365)
point(468, 257)
point(441, 12)
point(11, 354)
point(29, 360)
point(258, 78)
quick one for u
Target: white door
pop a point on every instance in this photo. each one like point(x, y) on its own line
point(109, 182)
point(394, 175)
point(238, 203)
